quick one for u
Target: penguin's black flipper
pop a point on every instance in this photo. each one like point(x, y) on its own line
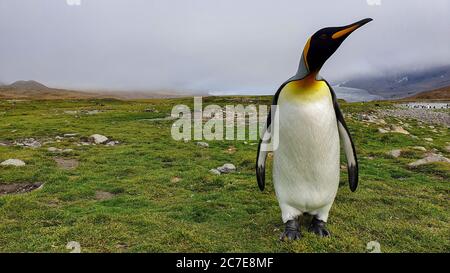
point(261, 157)
point(349, 147)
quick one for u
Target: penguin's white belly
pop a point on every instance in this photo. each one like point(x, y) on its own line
point(306, 162)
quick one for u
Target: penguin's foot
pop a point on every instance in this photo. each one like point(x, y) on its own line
point(291, 231)
point(318, 227)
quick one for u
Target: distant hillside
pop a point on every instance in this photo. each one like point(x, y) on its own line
point(403, 84)
point(28, 85)
point(36, 90)
point(438, 94)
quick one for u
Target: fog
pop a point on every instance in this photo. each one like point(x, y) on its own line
point(248, 46)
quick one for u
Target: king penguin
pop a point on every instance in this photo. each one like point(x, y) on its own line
point(306, 161)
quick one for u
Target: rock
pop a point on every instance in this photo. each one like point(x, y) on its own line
point(56, 150)
point(227, 168)
point(97, 139)
point(70, 135)
point(430, 158)
point(214, 171)
point(59, 138)
point(381, 121)
point(103, 195)
point(428, 139)
point(202, 144)
point(395, 153)
point(383, 131)
point(175, 179)
point(398, 129)
point(15, 188)
point(447, 148)
point(231, 150)
point(112, 143)
point(13, 162)
point(29, 142)
point(66, 164)
point(5, 143)
point(53, 150)
point(420, 148)
point(71, 112)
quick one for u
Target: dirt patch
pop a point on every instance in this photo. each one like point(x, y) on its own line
point(66, 164)
point(19, 187)
point(103, 195)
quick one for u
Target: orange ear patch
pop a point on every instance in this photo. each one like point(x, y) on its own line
point(305, 52)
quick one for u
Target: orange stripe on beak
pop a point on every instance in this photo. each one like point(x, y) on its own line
point(343, 32)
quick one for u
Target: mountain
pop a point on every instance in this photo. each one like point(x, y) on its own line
point(28, 85)
point(438, 94)
point(36, 90)
point(403, 84)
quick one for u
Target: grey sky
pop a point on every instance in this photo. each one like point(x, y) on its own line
point(211, 45)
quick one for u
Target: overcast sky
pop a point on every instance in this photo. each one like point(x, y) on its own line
point(211, 45)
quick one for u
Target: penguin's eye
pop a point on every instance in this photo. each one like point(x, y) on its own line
point(323, 36)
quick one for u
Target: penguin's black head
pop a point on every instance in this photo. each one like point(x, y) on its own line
point(325, 42)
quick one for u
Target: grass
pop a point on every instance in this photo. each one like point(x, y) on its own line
point(405, 210)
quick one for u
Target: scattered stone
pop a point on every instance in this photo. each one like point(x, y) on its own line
point(29, 142)
point(13, 162)
point(430, 158)
point(395, 153)
point(202, 144)
point(428, 139)
point(53, 150)
point(447, 148)
point(420, 148)
point(70, 112)
point(57, 150)
point(97, 139)
point(383, 131)
point(91, 112)
point(215, 171)
point(151, 110)
point(227, 168)
point(66, 164)
point(5, 143)
point(398, 129)
point(175, 179)
point(103, 195)
point(70, 135)
point(231, 150)
point(112, 143)
point(74, 246)
point(19, 187)
point(424, 115)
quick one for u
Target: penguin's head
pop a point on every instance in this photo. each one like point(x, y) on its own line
point(325, 42)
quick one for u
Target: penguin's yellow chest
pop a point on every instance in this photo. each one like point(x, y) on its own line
point(306, 90)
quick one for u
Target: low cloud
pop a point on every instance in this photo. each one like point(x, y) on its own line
point(223, 45)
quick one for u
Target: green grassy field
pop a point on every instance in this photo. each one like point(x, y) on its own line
point(165, 200)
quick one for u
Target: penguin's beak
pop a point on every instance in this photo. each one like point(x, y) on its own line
point(343, 32)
